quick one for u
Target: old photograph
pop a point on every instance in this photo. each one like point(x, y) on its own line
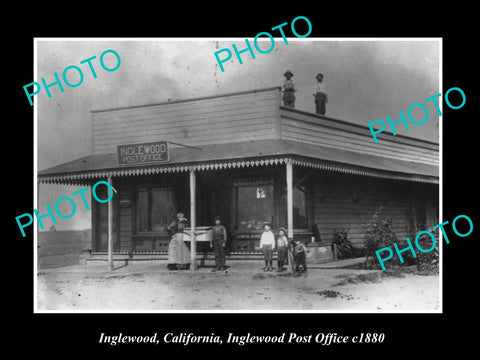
point(237, 175)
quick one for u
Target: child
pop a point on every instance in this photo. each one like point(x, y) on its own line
point(289, 90)
point(267, 244)
point(282, 244)
point(300, 258)
point(320, 94)
point(291, 255)
point(219, 240)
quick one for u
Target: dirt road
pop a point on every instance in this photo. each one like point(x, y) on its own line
point(243, 287)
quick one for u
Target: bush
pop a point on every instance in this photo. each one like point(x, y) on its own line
point(345, 249)
point(427, 263)
point(379, 234)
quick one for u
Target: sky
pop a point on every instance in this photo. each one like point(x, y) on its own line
point(366, 80)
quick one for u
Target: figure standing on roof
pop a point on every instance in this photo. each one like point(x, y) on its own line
point(320, 94)
point(288, 90)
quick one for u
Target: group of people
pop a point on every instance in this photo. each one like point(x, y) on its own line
point(288, 252)
point(179, 253)
point(319, 92)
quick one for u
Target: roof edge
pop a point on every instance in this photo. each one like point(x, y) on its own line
point(188, 100)
point(363, 127)
point(326, 165)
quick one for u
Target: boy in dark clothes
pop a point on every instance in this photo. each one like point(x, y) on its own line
point(300, 251)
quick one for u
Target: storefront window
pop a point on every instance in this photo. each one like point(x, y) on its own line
point(155, 206)
point(255, 204)
point(300, 207)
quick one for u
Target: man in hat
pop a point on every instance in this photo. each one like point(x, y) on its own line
point(288, 90)
point(219, 240)
point(320, 94)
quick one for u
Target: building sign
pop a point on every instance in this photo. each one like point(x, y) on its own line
point(143, 153)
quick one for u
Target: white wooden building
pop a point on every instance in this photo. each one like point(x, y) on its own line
point(249, 159)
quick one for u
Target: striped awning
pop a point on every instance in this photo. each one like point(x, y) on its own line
point(244, 155)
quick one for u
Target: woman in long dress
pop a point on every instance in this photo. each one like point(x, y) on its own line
point(178, 252)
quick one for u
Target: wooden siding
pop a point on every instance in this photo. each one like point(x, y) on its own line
point(254, 115)
point(432, 202)
point(351, 201)
point(299, 126)
point(223, 119)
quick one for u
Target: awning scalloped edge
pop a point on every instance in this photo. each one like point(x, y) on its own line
point(85, 177)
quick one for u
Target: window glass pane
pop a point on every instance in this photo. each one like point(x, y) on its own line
point(142, 210)
point(162, 207)
point(155, 206)
point(255, 206)
point(299, 208)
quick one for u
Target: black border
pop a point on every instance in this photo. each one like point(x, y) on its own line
point(407, 334)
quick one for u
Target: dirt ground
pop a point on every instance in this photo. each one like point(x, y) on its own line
point(243, 287)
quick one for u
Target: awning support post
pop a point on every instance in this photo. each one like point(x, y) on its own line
point(193, 241)
point(289, 168)
point(110, 229)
